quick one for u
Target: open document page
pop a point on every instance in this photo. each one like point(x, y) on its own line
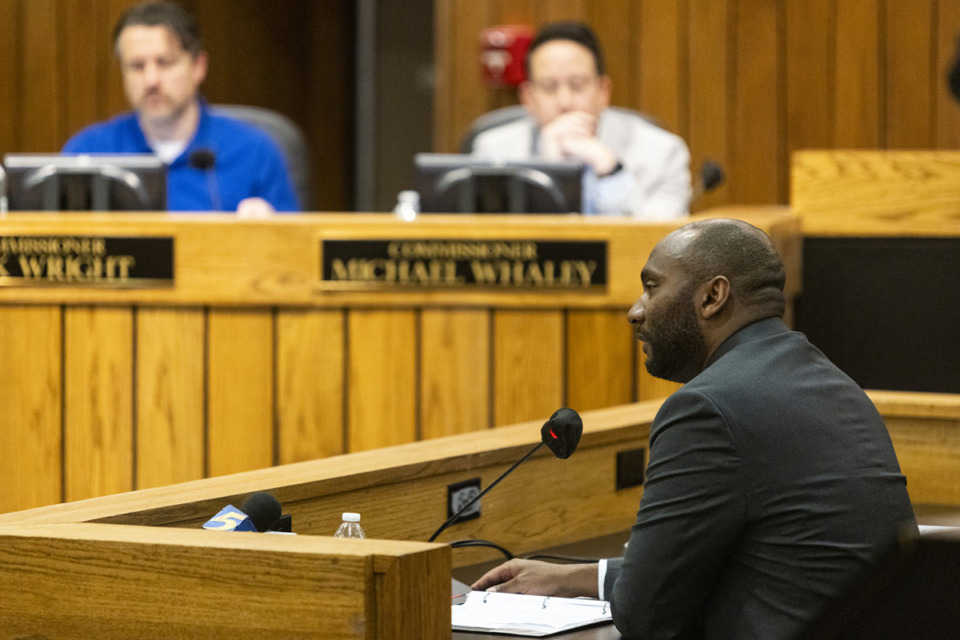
point(527, 615)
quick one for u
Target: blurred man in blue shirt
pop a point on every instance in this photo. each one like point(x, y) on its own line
point(214, 163)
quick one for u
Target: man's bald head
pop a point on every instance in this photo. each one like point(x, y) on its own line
point(740, 252)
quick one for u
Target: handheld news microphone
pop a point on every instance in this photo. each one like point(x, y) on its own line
point(561, 433)
point(205, 160)
point(261, 512)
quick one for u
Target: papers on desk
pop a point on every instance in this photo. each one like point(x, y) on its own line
point(526, 615)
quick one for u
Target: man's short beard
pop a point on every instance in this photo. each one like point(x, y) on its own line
point(677, 348)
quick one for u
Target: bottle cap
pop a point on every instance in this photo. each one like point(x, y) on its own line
point(351, 517)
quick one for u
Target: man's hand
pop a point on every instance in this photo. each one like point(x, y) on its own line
point(541, 578)
point(573, 135)
point(254, 208)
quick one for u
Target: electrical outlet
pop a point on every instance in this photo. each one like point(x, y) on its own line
point(459, 494)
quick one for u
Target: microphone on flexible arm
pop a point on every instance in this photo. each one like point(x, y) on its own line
point(561, 433)
point(711, 177)
point(205, 160)
point(261, 512)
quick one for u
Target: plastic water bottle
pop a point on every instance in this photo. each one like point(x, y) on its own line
point(350, 527)
point(408, 206)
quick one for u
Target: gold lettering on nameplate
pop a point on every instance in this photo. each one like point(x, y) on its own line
point(84, 261)
point(504, 264)
point(408, 272)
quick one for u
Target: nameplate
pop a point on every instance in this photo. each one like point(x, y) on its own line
point(436, 263)
point(86, 261)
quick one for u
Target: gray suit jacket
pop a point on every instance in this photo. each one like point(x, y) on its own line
point(772, 483)
point(654, 183)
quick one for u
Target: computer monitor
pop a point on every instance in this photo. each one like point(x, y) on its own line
point(85, 182)
point(453, 183)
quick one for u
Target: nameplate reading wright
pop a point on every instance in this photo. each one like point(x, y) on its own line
point(516, 264)
point(86, 261)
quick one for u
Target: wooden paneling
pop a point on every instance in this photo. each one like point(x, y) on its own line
point(600, 362)
point(528, 383)
point(757, 112)
point(857, 68)
point(554, 10)
point(9, 26)
point(661, 57)
point(809, 83)
point(455, 371)
point(708, 81)
point(98, 404)
point(171, 392)
point(240, 399)
point(382, 371)
point(84, 73)
point(30, 407)
point(465, 98)
point(40, 84)
point(327, 112)
point(311, 385)
point(747, 81)
point(248, 361)
point(910, 84)
point(611, 19)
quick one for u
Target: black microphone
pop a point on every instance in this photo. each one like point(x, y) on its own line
point(261, 512)
point(561, 433)
point(711, 177)
point(205, 160)
point(953, 74)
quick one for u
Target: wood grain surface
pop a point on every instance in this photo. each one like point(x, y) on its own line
point(247, 361)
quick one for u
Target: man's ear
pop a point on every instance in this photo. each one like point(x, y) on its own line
point(201, 62)
point(606, 90)
point(716, 294)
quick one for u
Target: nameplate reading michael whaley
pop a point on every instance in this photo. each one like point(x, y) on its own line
point(509, 264)
point(86, 261)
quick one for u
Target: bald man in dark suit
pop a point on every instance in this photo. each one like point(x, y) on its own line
point(772, 481)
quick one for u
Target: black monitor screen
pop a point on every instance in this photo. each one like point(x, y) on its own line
point(451, 183)
point(85, 182)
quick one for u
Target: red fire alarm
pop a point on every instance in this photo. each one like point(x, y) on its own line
point(502, 50)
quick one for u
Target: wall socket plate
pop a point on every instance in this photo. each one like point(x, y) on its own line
point(459, 494)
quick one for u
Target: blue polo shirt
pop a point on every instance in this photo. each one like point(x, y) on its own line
point(247, 163)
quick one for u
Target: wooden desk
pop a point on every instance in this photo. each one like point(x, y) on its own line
point(249, 360)
point(143, 549)
point(66, 581)
point(882, 264)
point(872, 193)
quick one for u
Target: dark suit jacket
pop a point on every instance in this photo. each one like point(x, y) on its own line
point(772, 483)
